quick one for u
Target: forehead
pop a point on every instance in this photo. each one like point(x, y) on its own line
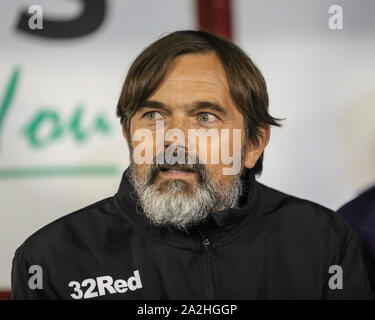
point(192, 77)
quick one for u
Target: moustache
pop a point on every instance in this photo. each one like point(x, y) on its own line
point(199, 169)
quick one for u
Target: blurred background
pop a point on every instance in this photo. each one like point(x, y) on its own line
point(61, 146)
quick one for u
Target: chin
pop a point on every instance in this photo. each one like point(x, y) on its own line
point(175, 186)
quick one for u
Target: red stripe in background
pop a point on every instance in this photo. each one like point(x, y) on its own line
point(215, 16)
point(4, 295)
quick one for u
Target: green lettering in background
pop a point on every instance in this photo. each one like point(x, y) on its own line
point(57, 128)
point(8, 97)
point(43, 117)
point(59, 171)
point(47, 127)
point(100, 124)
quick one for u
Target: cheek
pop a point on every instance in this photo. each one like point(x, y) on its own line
point(208, 150)
point(141, 170)
point(143, 146)
point(228, 150)
point(222, 149)
point(216, 174)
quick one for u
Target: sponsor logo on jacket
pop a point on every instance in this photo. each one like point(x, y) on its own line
point(100, 286)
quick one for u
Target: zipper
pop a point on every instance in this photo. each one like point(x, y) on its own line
point(208, 263)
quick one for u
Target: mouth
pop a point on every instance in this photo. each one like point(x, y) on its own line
point(173, 171)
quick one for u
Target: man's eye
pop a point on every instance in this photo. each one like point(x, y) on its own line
point(152, 115)
point(206, 117)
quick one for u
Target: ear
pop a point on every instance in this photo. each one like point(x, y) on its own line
point(252, 153)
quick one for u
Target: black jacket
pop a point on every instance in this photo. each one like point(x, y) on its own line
point(274, 246)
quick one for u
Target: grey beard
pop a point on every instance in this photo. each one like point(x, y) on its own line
point(180, 205)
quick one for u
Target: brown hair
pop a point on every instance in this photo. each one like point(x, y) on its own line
point(247, 86)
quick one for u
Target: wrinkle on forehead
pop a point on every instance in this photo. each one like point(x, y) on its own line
point(200, 73)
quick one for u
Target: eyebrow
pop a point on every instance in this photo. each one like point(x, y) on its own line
point(194, 107)
point(208, 105)
point(154, 105)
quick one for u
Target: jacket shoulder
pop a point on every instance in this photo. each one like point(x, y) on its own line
point(69, 228)
point(302, 213)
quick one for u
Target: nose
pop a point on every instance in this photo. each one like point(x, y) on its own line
point(176, 133)
point(176, 130)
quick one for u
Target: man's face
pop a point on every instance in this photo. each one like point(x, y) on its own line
point(194, 95)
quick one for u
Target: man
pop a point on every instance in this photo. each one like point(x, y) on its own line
point(189, 220)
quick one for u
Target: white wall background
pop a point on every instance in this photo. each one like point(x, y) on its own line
point(319, 79)
point(322, 82)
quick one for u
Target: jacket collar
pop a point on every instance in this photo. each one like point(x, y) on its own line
point(223, 224)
